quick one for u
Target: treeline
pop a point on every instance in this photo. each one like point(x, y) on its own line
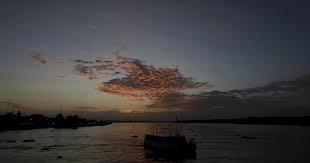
point(302, 121)
point(15, 121)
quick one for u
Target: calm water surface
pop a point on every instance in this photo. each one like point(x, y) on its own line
point(114, 143)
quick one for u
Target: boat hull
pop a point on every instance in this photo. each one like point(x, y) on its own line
point(170, 144)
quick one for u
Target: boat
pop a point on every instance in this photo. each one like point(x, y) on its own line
point(169, 144)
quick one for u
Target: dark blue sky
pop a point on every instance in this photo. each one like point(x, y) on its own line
point(232, 44)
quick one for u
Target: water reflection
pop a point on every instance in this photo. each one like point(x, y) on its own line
point(168, 143)
point(122, 142)
point(162, 156)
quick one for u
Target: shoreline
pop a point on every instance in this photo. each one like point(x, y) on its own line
point(291, 121)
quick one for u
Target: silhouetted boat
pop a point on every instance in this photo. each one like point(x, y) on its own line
point(170, 144)
point(176, 143)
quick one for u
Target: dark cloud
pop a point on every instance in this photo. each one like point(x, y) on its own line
point(193, 102)
point(82, 61)
point(299, 86)
point(39, 57)
point(85, 71)
point(278, 98)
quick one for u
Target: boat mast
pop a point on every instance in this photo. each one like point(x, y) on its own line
point(177, 133)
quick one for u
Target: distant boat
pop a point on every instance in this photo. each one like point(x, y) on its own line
point(171, 144)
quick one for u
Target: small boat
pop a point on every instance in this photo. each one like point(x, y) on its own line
point(171, 144)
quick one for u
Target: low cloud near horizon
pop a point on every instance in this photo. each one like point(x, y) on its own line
point(286, 98)
point(282, 98)
point(136, 80)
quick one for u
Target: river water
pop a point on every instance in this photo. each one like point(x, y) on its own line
point(117, 143)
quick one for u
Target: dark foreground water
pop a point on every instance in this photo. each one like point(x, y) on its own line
point(114, 143)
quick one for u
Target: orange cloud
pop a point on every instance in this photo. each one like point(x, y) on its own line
point(138, 81)
point(130, 77)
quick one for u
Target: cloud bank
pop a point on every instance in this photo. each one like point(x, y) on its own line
point(286, 98)
point(135, 80)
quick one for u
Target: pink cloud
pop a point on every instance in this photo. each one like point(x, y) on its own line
point(136, 80)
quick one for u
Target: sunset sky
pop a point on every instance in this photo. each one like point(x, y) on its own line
point(118, 56)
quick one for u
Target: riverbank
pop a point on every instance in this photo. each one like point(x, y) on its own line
point(299, 121)
point(12, 121)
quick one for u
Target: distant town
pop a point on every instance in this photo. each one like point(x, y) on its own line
point(17, 121)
